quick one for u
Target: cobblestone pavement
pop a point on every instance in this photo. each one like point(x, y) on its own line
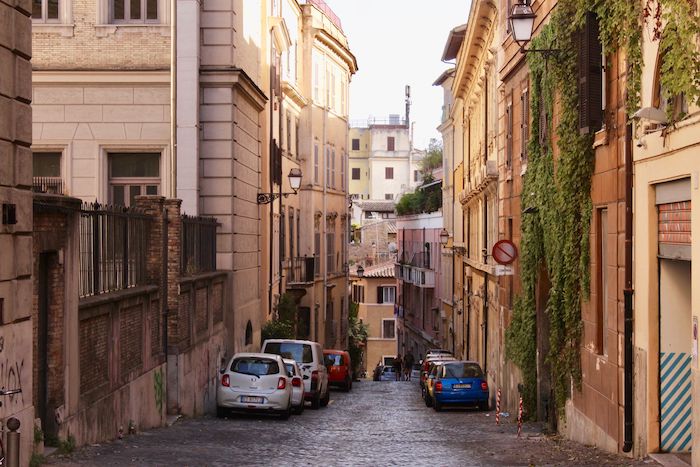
point(377, 423)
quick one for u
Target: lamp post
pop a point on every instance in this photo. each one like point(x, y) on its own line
point(294, 177)
point(522, 22)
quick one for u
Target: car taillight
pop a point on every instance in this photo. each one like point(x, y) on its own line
point(282, 383)
point(484, 386)
point(296, 382)
point(314, 375)
point(225, 381)
point(438, 386)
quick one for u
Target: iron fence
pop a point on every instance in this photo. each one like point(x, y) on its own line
point(301, 269)
point(113, 248)
point(198, 251)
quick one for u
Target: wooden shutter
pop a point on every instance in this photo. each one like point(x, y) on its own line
point(590, 76)
point(380, 296)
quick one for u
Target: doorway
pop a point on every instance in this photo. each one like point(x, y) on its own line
point(44, 405)
point(675, 340)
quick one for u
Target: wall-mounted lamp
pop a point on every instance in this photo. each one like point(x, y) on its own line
point(522, 22)
point(444, 237)
point(360, 271)
point(294, 182)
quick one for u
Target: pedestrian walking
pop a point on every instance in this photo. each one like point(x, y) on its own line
point(397, 367)
point(408, 366)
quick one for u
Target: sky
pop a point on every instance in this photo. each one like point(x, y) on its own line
point(399, 42)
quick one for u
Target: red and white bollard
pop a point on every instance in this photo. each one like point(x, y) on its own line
point(520, 416)
point(498, 407)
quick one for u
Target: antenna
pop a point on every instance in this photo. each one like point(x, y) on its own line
point(408, 104)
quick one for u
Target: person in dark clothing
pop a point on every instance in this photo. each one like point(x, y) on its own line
point(397, 367)
point(408, 366)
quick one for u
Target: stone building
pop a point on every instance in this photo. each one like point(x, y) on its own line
point(16, 222)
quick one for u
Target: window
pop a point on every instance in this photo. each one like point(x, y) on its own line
point(296, 137)
point(133, 11)
point(355, 144)
point(298, 230)
point(355, 173)
point(342, 170)
point(132, 175)
point(283, 230)
point(289, 134)
point(248, 333)
point(389, 329)
point(330, 252)
point(315, 164)
point(389, 173)
point(602, 260)
point(45, 11)
point(317, 254)
point(358, 293)
point(327, 164)
point(46, 164)
point(590, 76)
point(333, 168)
point(416, 175)
point(388, 196)
point(509, 134)
point(390, 143)
point(317, 84)
point(291, 232)
point(386, 294)
point(524, 124)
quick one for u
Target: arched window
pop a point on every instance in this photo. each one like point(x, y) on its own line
point(249, 333)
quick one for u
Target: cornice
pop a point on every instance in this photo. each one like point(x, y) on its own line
point(337, 47)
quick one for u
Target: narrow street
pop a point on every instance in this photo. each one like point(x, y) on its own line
point(377, 423)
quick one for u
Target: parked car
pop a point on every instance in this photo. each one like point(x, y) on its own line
point(428, 387)
point(459, 383)
point(436, 352)
point(254, 382)
point(309, 356)
point(339, 368)
point(388, 373)
point(415, 371)
point(297, 382)
point(425, 365)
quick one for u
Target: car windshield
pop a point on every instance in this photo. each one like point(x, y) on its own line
point(291, 350)
point(334, 359)
point(255, 366)
point(463, 370)
point(388, 369)
point(290, 369)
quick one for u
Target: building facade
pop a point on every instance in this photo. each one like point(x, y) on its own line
point(375, 294)
point(421, 322)
point(16, 227)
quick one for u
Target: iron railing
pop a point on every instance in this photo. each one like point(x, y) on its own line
point(198, 251)
point(50, 185)
point(301, 270)
point(113, 248)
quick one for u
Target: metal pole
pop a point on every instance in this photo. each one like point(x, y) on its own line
point(12, 454)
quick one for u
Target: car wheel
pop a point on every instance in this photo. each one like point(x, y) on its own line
point(437, 405)
point(347, 385)
point(221, 412)
point(428, 401)
point(286, 413)
point(484, 406)
point(326, 399)
point(316, 401)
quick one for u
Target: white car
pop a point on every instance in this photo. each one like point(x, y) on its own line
point(295, 379)
point(254, 382)
point(309, 357)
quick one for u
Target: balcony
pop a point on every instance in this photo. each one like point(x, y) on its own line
point(301, 270)
point(483, 174)
point(48, 185)
point(424, 278)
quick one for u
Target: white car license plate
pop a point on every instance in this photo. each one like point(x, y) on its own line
point(251, 400)
point(462, 386)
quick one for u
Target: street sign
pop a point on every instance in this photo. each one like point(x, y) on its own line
point(503, 270)
point(504, 252)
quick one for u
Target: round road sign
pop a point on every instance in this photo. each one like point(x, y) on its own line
point(504, 252)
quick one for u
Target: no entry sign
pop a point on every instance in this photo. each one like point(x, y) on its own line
point(504, 252)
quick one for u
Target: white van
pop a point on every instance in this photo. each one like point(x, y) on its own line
point(309, 357)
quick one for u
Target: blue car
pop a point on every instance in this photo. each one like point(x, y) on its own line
point(460, 383)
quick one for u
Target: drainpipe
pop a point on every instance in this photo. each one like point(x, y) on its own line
point(271, 172)
point(628, 292)
point(485, 251)
point(324, 239)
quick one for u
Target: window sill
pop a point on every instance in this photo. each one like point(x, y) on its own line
point(65, 30)
point(104, 30)
point(600, 138)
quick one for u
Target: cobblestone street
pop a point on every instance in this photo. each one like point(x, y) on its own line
point(378, 423)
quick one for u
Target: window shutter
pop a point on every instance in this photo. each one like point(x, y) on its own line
point(590, 76)
point(380, 296)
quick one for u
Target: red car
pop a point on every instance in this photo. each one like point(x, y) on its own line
point(339, 368)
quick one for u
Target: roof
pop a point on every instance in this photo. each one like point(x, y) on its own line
point(378, 206)
point(379, 270)
point(443, 77)
point(390, 224)
point(454, 42)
